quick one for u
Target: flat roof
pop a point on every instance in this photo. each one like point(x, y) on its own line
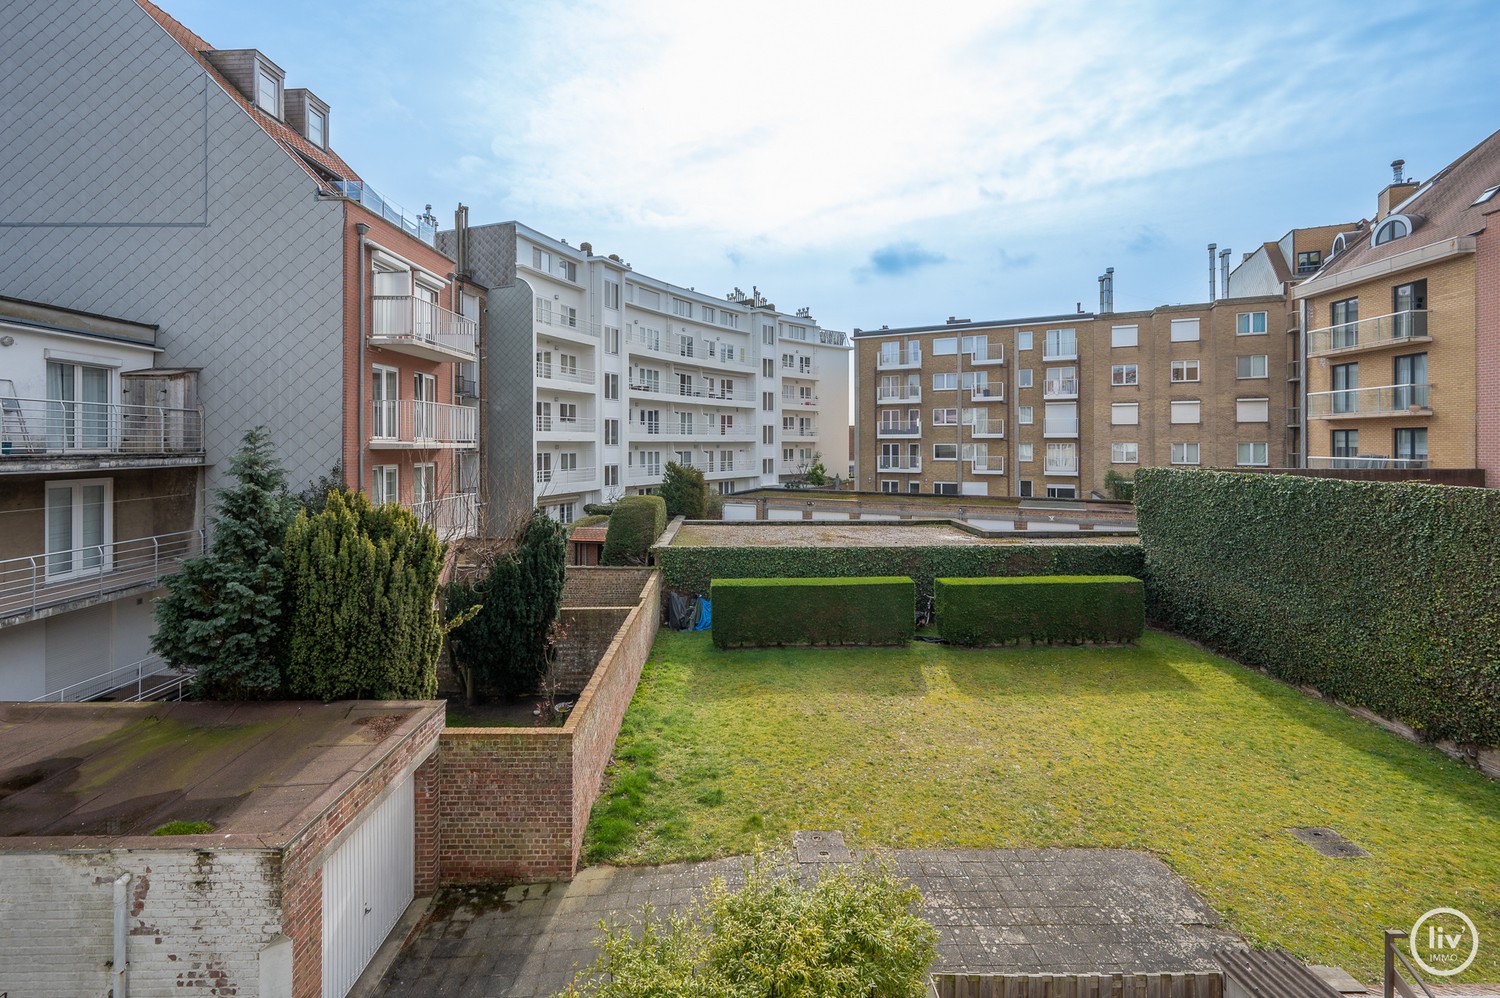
point(1036, 320)
point(258, 772)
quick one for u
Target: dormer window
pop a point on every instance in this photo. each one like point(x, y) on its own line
point(317, 128)
point(1394, 227)
point(267, 91)
point(1339, 242)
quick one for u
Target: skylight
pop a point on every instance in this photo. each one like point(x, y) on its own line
point(1486, 196)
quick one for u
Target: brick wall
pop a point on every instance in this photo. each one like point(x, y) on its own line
point(589, 633)
point(1487, 346)
point(595, 585)
point(515, 802)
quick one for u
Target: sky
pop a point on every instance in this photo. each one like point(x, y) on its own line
point(891, 163)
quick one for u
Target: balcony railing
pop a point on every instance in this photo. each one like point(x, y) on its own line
point(988, 392)
point(710, 396)
point(1369, 334)
point(809, 371)
point(986, 427)
point(565, 424)
point(422, 328)
point(1294, 370)
point(408, 423)
point(902, 393)
point(1060, 466)
point(1366, 461)
point(1294, 415)
point(453, 517)
point(567, 324)
point(149, 679)
point(909, 464)
point(423, 227)
point(35, 582)
point(565, 476)
point(897, 360)
point(465, 387)
point(1060, 351)
point(644, 474)
point(676, 429)
point(43, 428)
point(570, 375)
point(805, 401)
point(889, 429)
point(1384, 400)
point(992, 465)
point(992, 354)
point(684, 349)
point(1057, 427)
point(1060, 388)
point(799, 433)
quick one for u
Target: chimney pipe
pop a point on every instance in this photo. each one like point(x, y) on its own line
point(1224, 267)
point(1212, 272)
point(1397, 166)
point(1107, 291)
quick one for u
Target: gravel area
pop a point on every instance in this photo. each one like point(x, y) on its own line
point(769, 534)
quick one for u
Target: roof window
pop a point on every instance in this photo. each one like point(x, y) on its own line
point(1394, 227)
point(1486, 196)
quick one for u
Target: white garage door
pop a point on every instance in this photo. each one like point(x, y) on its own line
point(367, 884)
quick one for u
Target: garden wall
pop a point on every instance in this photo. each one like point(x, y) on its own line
point(692, 569)
point(1383, 596)
point(515, 801)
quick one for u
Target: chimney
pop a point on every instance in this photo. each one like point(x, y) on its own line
point(1213, 288)
point(461, 239)
point(1401, 187)
point(1107, 291)
point(1224, 269)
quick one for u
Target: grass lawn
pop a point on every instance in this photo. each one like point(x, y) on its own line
point(1162, 747)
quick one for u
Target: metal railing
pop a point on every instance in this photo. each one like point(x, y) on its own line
point(679, 391)
point(54, 427)
point(556, 372)
point(902, 393)
point(986, 427)
point(400, 320)
point(452, 517)
point(901, 358)
point(802, 400)
point(899, 463)
point(1395, 984)
point(1382, 400)
point(1053, 388)
point(465, 387)
point(809, 371)
point(399, 422)
point(1366, 334)
point(890, 429)
point(38, 581)
point(565, 424)
point(1356, 461)
point(569, 323)
point(799, 433)
point(149, 679)
point(678, 429)
point(423, 227)
point(1060, 427)
point(988, 465)
point(988, 392)
point(567, 476)
point(992, 354)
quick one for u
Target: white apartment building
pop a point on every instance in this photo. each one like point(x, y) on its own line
point(596, 377)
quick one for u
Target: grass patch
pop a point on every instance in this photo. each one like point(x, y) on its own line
point(184, 828)
point(1160, 747)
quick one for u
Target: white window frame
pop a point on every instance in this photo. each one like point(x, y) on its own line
point(1125, 452)
point(1125, 414)
point(1024, 415)
point(317, 127)
point(951, 451)
point(945, 382)
point(1024, 452)
point(385, 484)
point(1186, 330)
point(78, 565)
point(1183, 408)
point(1024, 377)
point(1247, 320)
point(1254, 445)
point(1190, 453)
point(1125, 375)
point(1124, 336)
point(1183, 366)
point(1024, 339)
point(1265, 367)
point(263, 75)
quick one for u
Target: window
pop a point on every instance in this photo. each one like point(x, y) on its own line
point(1125, 414)
point(1410, 379)
point(1061, 344)
point(1025, 489)
point(1345, 321)
point(1184, 453)
point(423, 484)
point(768, 368)
point(1184, 330)
point(611, 432)
point(1252, 410)
point(567, 315)
point(1250, 324)
point(1393, 228)
point(267, 91)
point(612, 386)
point(1186, 412)
point(1345, 444)
point(1340, 241)
point(1124, 336)
point(945, 488)
point(1250, 367)
point(768, 401)
point(384, 485)
point(768, 434)
point(945, 382)
point(1023, 340)
point(945, 417)
point(729, 319)
point(77, 406)
point(1125, 453)
point(540, 259)
point(1124, 374)
point(567, 270)
point(945, 346)
point(384, 396)
point(1062, 459)
point(1023, 377)
point(1251, 455)
point(612, 294)
point(1062, 492)
point(945, 452)
point(767, 331)
point(611, 474)
point(683, 308)
point(1409, 302)
point(79, 525)
point(1481, 199)
point(611, 339)
point(1309, 261)
point(1184, 370)
point(1345, 387)
point(1411, 444)
point(1023, 415)
point(914, 486)
point(543, 311)
point(1023, 452)
point(317, 128)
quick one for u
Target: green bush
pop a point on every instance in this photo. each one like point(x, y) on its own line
point(1384, 595)
point(761, 612)
point(592, 520)
point(1104, 608)
point(693, 569)
point(851, 932)
point(634, 526)
point(684, 491)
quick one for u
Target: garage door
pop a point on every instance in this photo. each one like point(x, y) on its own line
point(367, 884)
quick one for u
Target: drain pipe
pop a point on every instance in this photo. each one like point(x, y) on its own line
point(359, 375)
point(120, 969)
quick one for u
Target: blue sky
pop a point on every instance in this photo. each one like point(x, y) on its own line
point(892, 163)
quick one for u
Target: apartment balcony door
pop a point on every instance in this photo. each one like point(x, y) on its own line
point(78, 528)
point(544, 416)
point(425, 313)
point(726, 425)
point(384, 487)
point(1409, 302)
point(685, 384)
point(544, 363)
point(1346, 384)
point(424, 390)
point(385, 393)
point(423, 484)
point(1410, 380)
point(77, 407)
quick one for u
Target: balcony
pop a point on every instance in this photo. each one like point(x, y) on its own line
point(420, 328)
point(1060, 388)
point(887, 428)
point(902, 393)
point(566, 476)
point(406, 424)
point(799, 401)
point(423, 227)
point(990, 354)
point(644, 475)
point(1067, 350)
point(903, 464)
point(809, 372)
point(566, 426)
point(988, 465)
point(41, 435)
point(40, 581)
point(1375, 461)
point(1060, 427)
point(799, 433)
point(1373, 333)
point(898, 360)
point(988, 393)
point(691, 431)
point(986, 427)
point(1385, 400)
point(452, 517)
point(1294, 370)
point(1293, 415)
point(708, 397)
point(565, 379)
point(465, 388)
point(1066, 466)
point(680, 350)
point(566, 325)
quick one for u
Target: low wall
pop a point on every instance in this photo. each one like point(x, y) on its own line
point(515, 801)
point(589, 630)
point(1206, 985)
point(599, 585)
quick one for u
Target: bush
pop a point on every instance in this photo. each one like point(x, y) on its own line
point(684, 491)
point(851, 932)
point(1384, 595)
point(634, 526)
point(694, 569)
point(592, 520)
point(761, 612)
point(1104, 608)
point(1119, 486)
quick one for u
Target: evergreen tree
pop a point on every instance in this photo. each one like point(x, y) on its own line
point(503, 648)
point(221, 614)
point(361, 591)
point(684, 491)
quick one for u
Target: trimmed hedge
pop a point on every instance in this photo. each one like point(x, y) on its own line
point(1101, 608)
point(634, 526)
point(692, 569)
point(1384, 595)
point(762, 612)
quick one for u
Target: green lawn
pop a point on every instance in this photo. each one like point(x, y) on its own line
point(1160, 747)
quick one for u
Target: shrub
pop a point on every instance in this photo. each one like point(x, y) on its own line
point(1119, 486)
point(1384, 595)
point(761, 612)
point(694, 569)
point(851, 932)
point(715, 507)
point(592, 520)
point(634, 526)
point(684, 491)
point(1041, 608)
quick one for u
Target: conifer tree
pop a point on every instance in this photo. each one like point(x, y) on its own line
point(685, 491)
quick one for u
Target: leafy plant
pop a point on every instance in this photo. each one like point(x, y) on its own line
point(764, 612)
point(221, 616)
point(634, 526)
point(817, 474)
point(685, 492)
point(1118, 486)
point(315, 497)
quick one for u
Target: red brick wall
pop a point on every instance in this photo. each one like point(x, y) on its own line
point(596, 585)
point(515, 802)
point(1487, 348)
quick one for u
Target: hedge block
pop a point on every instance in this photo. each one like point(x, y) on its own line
point(773, 612)
point(1100, 608)
point(635, 524)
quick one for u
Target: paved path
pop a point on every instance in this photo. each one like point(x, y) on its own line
point(1004, 911)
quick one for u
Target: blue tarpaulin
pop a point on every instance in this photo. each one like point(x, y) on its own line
point(705, 615)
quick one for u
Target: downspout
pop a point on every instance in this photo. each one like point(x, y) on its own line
point(120, 968)
point(359, 374)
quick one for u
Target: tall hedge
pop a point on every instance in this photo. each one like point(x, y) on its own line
point(634, 526)
point(1047, 608)
point(772, 612)
point(685, 491)
point(692, 569)
point(1384, 595)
